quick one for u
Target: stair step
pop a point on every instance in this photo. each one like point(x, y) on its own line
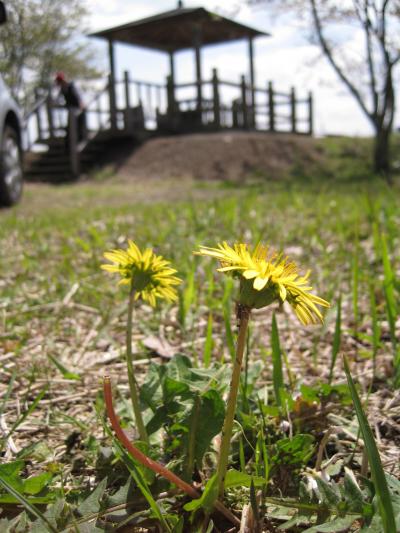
point(53, 165)
point(47, 170)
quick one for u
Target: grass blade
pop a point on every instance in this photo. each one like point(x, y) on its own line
point(187, 297)
point(388, 277)
point(277, 372)
point(378, 475)
point(355, 284)
point(376, 330)
point(67, 374)
point(336, 338)
point(208, 345)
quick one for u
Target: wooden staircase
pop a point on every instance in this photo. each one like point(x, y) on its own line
point(48, 157)
point(53, 164)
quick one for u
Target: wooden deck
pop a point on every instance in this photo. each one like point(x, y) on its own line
point(134, 109)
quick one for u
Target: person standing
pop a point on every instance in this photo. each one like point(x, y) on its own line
point(73, 103)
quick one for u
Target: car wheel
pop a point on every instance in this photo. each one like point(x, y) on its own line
point(11, 175)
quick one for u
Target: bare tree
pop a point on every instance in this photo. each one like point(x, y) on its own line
point(368, 73)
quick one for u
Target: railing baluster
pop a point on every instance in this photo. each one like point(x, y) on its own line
point(38, 117)
point(271, 106)
point(293, 118)
point(149, 99)
point(73, 142)
point(310, 114)
point(244, 103)
point(49, 111)
point(216, 100)
point(158, 96)
point(127, 88)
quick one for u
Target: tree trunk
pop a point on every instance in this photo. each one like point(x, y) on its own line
point(382, 152)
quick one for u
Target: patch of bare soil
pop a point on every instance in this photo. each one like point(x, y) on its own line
point(222, 156)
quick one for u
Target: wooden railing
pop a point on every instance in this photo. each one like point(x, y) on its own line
point(251, 107)
point(47, 120)
point(132, 106)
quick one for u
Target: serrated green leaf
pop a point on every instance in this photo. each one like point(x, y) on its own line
point(352, 492)
point(338, 524)
point(35, 484)
point(12, 469)
point(173, 388)
point(207, 499)
point(234, 478)
point(55, 515)
point(210, 420)
point(92, 504)
point(330, 494)
point(26, 504)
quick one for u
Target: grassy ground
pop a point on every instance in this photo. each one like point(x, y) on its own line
point(62, 323)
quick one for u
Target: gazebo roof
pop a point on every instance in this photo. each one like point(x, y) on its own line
point(175, 30)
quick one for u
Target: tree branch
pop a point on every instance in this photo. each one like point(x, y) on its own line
point(329, 55)
point(370, 59)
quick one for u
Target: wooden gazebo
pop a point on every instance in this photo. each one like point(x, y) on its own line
point(182, 29)
point(133, 108)
point(195, 28)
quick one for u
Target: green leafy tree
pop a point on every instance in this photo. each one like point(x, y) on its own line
point(41, 37)
point(368, 72)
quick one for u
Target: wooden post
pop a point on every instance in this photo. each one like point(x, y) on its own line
point(98, 112)
point(245, 118)
point(111, 86)
point(38, 118)
point(73, 142)
point(310, 114)
point(252, 83)
point(293, 118)
point(170, 96)
point(197, 49)
point(271, 106)
point(49, 111)
point(235, 122)
point(216, 100)
point(127, 90)
point(172, 67)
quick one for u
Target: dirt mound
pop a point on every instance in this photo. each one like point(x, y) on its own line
point(222, 156)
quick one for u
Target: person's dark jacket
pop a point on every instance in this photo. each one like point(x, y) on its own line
point(71, 96)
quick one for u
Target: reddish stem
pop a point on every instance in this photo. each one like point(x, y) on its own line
point(156, 467)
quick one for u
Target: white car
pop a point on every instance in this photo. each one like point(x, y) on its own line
point(11, 173)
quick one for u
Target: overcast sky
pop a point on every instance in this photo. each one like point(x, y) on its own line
point(286, 58)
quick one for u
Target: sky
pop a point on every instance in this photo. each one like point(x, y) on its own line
point(286, 57)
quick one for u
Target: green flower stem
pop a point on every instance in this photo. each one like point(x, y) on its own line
point(133, 387)
point(243, 316)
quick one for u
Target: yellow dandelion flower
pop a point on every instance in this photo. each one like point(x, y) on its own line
point(149, 275)
point(267, 277)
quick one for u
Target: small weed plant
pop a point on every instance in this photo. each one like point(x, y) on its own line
point(222, 433)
